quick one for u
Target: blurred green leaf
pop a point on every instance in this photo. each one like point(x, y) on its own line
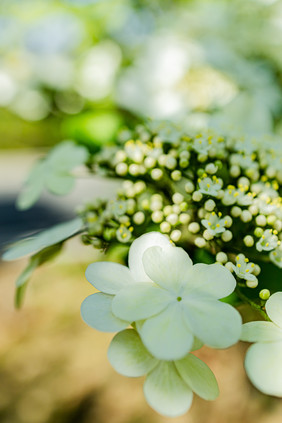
point(35, 261)
point(44, 239)
point(53, 173)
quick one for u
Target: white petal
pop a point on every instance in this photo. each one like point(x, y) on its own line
point(167, 266)
point(108, 277)
point(215, 323)
point(264, 367)
point(166, 335)
point(96, 311)
point(137, 250)
point(140, 301)
point(273, 308)
point(198, 376)
point(128, 356)
point(211, 279)
point(166, 392)
point(261, 332)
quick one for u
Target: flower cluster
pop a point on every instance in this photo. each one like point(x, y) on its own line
point(205, 192)
point(174, 308)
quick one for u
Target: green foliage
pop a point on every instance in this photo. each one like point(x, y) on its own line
point(34, 262)
point(44, 240)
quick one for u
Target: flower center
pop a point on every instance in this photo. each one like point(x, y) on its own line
point(179, 298)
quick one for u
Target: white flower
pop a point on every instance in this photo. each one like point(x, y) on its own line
point(268, 241)
point(214, 224)
point(169, 385)
point(96, 310)
point(263, 360)
point(210, 186)
point(244, 268)
point(276, 256)
point(177, 302)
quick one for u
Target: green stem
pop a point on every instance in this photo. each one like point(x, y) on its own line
point(254, 305)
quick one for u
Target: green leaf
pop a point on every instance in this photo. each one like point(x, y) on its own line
point(53, 173)
point(34, 262)
point(44, 239)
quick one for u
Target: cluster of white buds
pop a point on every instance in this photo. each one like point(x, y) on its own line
point(203, 191)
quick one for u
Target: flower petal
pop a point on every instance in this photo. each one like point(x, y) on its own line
point(273, 308)
point(108, 277)
point(211, 279)
point(167, 266)
point(264, 367)
point(140, 301)
point(215, 323)
point(166, 335)
point(261, 332)
point(137, 250)
point(198, 376)
point(96, 311)
point(128, 356)
point(166, 392)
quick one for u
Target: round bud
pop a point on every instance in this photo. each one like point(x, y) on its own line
point(248, 241)
point(150, 162)
point(236, 211)
point(264, 294)
point(167, 210)
point(157, 216)
point(226, 236)
point(256, 270)
point(261, 220)
point(177, 198)
point(184, 218)
point(165, 227)
point(210, 205)
point(228, 221)
point(121, 169)
point(197, 196)
point(235, 171)
point(258, 232)
point(176, 175)
point(189, 187)
point(172, 219)
point(252, 284)
point(194, 227)
point(207, 235)
point(156, 174)
point(200, 242)
point(221, 257)
point(133, 169)
point(246, 216)
point(175, 235)
point(139, 218)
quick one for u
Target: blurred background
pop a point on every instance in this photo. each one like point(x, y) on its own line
point(85, 70)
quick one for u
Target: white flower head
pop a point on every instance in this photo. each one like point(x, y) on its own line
point(214, 223)
point(169, 385)
point(263, 360)
point(244, 268)
point(268, 241)
point(210, 186)
point(177, 302)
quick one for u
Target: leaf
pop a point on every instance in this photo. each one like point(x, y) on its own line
point(44, 239)
point(35, 261)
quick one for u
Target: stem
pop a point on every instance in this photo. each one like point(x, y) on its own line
point(254, 305)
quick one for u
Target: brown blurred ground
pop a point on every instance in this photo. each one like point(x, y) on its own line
point(54, 368)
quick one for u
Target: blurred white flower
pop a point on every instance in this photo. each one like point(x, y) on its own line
point(244, 268)
point(263, 360)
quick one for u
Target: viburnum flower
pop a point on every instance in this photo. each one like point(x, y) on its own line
point(244, 268)
point(268, 241)
point(276, 256)
point(170, 300)
point(169, 385)
point(210, 186)
point(110, 278)
point(214, 223)
point(263, 360)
